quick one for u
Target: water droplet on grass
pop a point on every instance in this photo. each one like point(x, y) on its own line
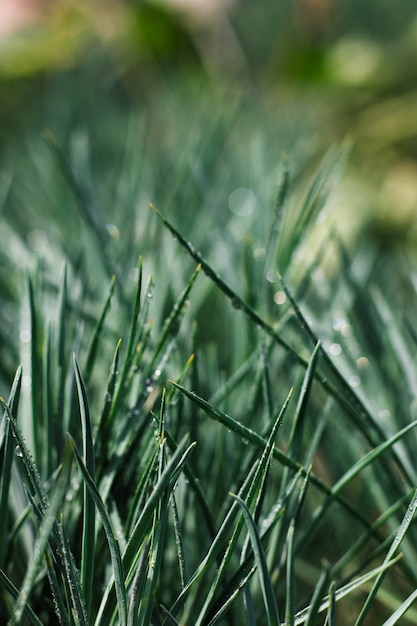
point(335, 349)
point(18, 452)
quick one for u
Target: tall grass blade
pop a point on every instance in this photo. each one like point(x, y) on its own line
point(265, 579)
point(402, 530)
point(42, 540)
point(88, 535)
point(398, 614)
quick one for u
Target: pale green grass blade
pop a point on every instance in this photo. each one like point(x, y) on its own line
point(61, 341)
point(42, 540)
point(265, 579)
point(331, 611)
point(117, 565)
point(137, 587)
point(28, 612)
point(98, 331)
point(322, 584)
point(395, 617)
point(402, 530)
point(35, 368)
point(290, 578)
point(8, 447)
point(88, 535)
point(342, 592)
point(103, 434)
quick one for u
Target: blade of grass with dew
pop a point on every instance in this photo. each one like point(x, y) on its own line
point(265, 579)
point(160, 519)
point(234, 586)
point(350, 401)
point(179, 542)
point(143, 525)
point(138, 585)
point(402, 530)
point(50, 431)
point(28, 612)
point(117, 565)
point(172, 323)
point(127, 363)
point(42, 540)
point(345, 590)
point(35, 368)
point(57, 531)
point(95, 339)
point(252, 499)
point(398, 614)
point(8, 446)
point(88, 533)
point(247, 434)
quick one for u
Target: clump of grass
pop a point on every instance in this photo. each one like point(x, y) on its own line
point(188, 449)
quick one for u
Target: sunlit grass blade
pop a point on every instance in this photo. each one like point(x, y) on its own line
point(398, 614)
point(88, 536)
point(265, 579)
point(49, 520)
point(402, 530)
point(344, 591)
point(35, 369)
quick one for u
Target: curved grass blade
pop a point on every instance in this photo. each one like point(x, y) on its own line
point(265, 579)
point(143, 525)
point(8, 446)
point(402, 530)
point(88, 535)
point(42, 540)
point(117, 566)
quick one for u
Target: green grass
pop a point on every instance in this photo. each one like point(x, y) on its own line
point(214, 419)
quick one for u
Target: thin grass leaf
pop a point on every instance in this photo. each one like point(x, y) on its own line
point(42, 539)
point(179, 542)
point(8, 446)
point(143, 525)
point(95, 339)
point(88, 535)
point(345, 590)
point(322, 584)
point(331, 611)
point(290, 577)
point(35, 368)
point(402, 530)
point(117, 565)
point(28, 612)
point(137, 587)
point(265, 579)
point(398, 614)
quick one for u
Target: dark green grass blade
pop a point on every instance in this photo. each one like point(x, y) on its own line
point(35, 368)
point(290, 578)
point(42, 540)
point(28, 612)
point(137, 587)
point(265, 579)
point(117, 566)
point(8, 446)
point(88, 536)
point(399, 536)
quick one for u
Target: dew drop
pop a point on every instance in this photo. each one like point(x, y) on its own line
point(280, 297)
point(354, 381)
point(272, 276)
point(18, 452)
point(149, 295)
point(362, 362)
point(236, 303)
point(335, 349)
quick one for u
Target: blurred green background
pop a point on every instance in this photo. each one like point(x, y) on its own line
point(182, 102)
